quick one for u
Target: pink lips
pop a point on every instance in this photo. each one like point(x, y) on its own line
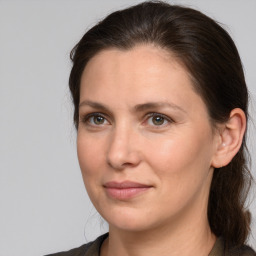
point(125, 190)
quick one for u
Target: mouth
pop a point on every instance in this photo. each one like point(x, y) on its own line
point(125, 190)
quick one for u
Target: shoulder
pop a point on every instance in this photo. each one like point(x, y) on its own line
point(89, 249)
point(74, 252)
point(242, 251)
point(219, 250)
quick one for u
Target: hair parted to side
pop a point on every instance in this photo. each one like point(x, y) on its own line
point(210, 55)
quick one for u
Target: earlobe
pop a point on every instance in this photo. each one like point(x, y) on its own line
point(231, 138)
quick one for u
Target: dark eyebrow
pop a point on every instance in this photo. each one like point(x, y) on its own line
point(93, 105)
point(155, 105)
point(137, 108)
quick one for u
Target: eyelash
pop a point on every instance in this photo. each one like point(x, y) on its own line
point(86, 118)
point(166, 119)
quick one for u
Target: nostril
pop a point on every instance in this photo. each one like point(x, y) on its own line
point(122, 151)
point(122, 161)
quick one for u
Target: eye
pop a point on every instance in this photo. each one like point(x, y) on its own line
point(156, 119)
point(98, 120)
point(95, 119)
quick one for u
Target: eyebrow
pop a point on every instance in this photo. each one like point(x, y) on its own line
point(137, 108)
point(150, 105)
point(93, 105)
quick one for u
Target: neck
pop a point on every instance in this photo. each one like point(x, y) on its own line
point(180, 239)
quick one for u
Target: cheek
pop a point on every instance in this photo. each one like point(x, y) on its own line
point(184, 158)
point(89, 156)
point(182, 170)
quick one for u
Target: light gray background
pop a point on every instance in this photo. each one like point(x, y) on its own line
point(43, 204)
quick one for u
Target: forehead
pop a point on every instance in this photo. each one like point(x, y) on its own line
point(144, 73)
point(146, 63)
point(136, 54)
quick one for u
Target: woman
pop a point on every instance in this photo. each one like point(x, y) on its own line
point(161, 109)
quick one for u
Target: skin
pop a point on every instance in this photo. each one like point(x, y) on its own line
point(175, 154)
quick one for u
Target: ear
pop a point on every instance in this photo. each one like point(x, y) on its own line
point(230, 138)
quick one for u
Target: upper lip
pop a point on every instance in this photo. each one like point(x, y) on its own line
point(125, 184)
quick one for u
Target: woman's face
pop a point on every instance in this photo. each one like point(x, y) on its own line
point(145, 143)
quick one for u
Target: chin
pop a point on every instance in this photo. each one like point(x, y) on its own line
point(130, 220)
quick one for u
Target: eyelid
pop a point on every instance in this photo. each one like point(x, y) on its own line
point(154, 114)
point(85, 118)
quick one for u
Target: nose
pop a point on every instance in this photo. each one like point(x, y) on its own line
point(123, 150)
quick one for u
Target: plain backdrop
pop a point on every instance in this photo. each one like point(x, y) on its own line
point(44, 207)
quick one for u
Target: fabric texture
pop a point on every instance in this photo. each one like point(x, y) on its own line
point(93, 249)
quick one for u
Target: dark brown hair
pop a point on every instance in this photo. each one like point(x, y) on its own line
point(211, 57)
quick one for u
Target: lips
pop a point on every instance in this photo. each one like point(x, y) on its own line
point(125, 190)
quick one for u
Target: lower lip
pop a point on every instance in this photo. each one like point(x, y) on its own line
point(125, 193)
